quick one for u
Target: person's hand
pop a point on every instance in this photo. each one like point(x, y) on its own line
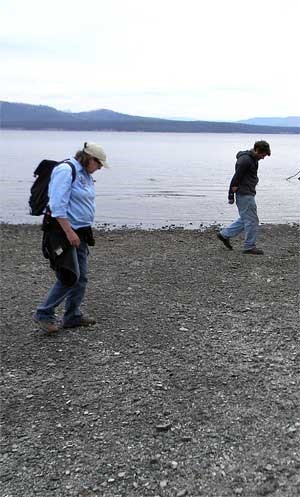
point(231, 201)
point(73, 238)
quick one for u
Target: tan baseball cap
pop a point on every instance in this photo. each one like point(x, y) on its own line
point(97, 151)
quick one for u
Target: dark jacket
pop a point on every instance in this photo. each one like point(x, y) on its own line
point(245, 177)
point(56, 247)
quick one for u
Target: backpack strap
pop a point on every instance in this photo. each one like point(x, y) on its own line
point(48, 212)
point(73, 169)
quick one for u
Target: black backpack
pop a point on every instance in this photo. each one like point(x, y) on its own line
point(39, 199)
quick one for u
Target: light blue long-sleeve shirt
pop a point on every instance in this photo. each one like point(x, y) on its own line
point(73, 201)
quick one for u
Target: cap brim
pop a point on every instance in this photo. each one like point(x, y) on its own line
point(105, 164)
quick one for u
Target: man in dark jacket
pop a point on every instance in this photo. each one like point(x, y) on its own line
point(243, 186)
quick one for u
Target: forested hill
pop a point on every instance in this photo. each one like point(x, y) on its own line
point(291, 121)
point(37, 117)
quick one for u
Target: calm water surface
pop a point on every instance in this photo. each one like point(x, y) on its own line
point(156, 179)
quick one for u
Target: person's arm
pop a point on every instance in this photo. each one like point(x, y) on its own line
point(59, 197)
point(232, 191)
point(241, 168)
point(72, 237)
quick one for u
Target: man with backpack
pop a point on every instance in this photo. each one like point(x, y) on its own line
point(67, 234)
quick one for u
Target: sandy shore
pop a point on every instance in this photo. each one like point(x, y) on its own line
point(187, 385)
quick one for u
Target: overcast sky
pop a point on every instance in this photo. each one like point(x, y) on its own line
point(205, 59)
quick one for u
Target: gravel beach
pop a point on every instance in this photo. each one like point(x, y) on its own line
point(188, 385)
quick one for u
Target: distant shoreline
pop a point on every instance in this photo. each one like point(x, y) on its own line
point(282, 131)
point(40, 117)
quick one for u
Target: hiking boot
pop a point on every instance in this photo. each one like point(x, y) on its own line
point(48, 326)
point(81, 321)
point(226, 241)
point(254, 251)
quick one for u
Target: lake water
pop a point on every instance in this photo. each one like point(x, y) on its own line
point(156, 179)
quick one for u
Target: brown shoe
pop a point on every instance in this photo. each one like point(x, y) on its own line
point(254, 251)
point(81, 321)
point(48, 326)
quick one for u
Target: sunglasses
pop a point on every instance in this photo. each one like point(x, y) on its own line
point(98, 162)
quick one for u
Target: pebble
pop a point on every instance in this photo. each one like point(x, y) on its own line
point(154, 460)
point(163, 427)
point(182, 493)
point(267, 488)
point(186, 438)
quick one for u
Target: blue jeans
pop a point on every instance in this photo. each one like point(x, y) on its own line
point(73, 296)
point(248, 221)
